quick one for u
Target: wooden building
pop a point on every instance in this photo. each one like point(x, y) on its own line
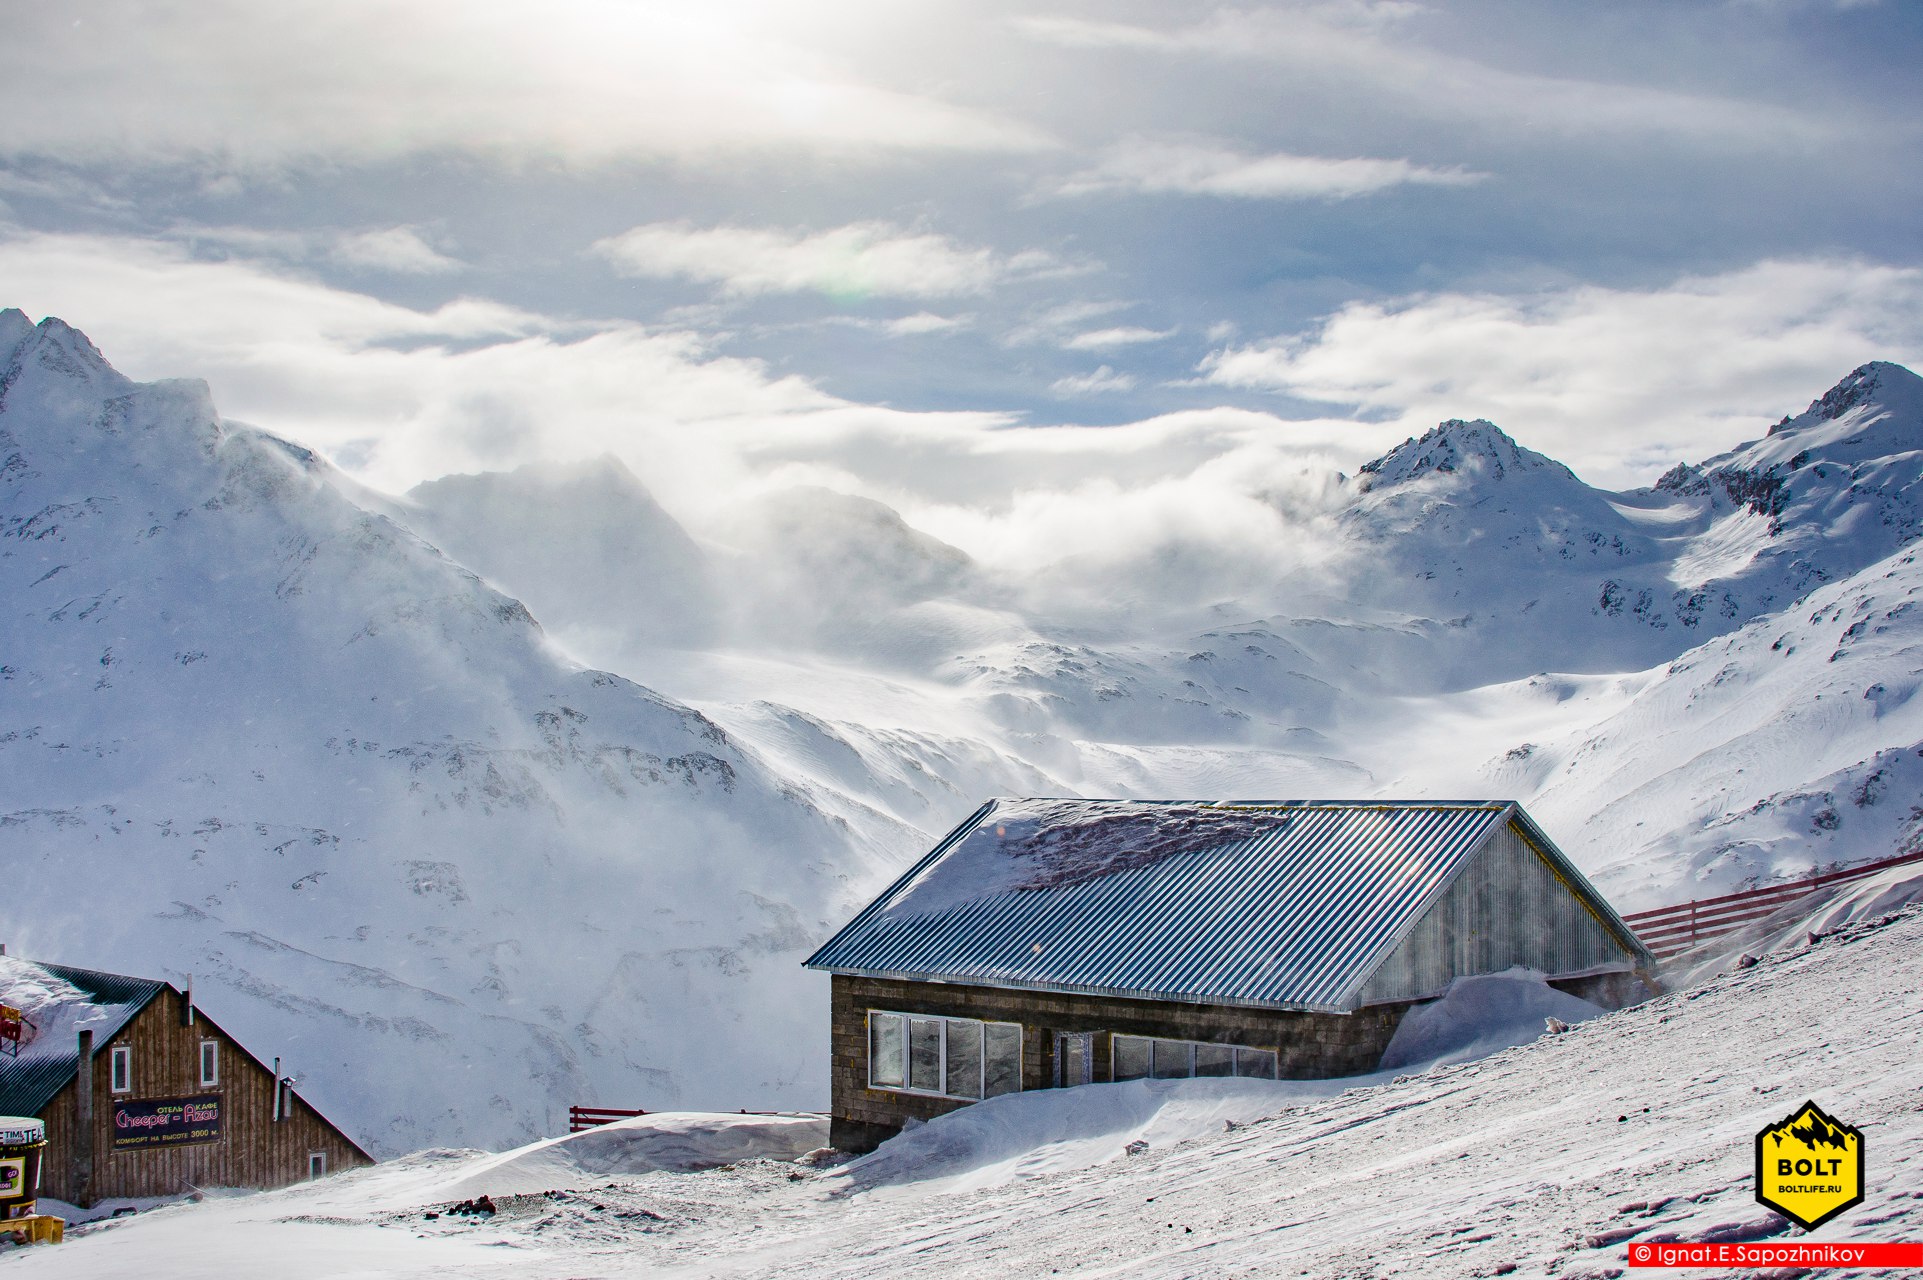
point(144, 1095)
point(1059, 942)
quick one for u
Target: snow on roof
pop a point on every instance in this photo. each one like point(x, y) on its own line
point(1285, 904)
point(59, 1002)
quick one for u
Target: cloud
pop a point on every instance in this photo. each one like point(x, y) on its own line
point(863, 259)
point(1205, 169)
point(394, 250)
point(1617, 382)
point(1124, 336)
point(1102, 380)
point(397, 249)
point(582, 81)
point(397, 394)
point(1055, 325)
point(925, 322)
point(1369, 53)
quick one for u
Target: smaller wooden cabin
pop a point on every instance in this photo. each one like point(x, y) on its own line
point(143, 1095)
point(1059, 942)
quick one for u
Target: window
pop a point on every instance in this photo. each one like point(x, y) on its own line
point(120, 1073)
point(316, 1165)
point(1074, 1058)
point(946, 1057)
point(209, 1062)
point(1138, 1058)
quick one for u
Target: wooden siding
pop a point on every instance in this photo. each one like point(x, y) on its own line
point(253, 1149)
point(1309, 1046)
point(1507, 907)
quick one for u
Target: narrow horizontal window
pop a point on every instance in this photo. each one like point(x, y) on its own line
point(1141, 1058)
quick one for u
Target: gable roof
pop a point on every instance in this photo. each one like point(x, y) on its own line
point(61, 1001)
point(1273, 904)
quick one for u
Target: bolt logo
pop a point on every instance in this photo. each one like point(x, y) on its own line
point(1809, 1168)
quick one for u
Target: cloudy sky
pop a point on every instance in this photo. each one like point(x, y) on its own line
point(941, 252)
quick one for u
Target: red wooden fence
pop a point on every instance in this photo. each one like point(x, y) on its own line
point(1669, 931)
point(583, 1118)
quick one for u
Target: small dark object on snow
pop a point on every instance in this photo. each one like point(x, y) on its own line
point(1555, 1026)
point(1622, 1119)
point(430, 1215)
point(479, 1207)
point(1745, 962)
point(1136, 1147)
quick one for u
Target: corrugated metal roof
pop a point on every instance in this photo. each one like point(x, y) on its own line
point(1293, 914)
point(29, 1082)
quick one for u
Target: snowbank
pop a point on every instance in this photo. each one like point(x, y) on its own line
point(1482, 1015)
point(1021, 1135)
point(1054, 1130)
point(675, 1141)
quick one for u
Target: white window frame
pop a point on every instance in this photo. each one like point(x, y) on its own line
point(120, 1069)
point(316, 1165)
point(1188, 1051)
point(941, 1065)
point(209, 1063)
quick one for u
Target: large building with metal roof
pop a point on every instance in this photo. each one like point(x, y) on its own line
point(143, 1095)
point(1056, 941)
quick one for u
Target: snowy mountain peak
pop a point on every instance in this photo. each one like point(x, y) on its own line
point(1862, 387)
point(58, 334)
point(1479, 448)
point(14, 330)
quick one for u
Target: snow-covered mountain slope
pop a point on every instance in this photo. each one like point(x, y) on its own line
point(255, 722)
point(256, 732)
point(579, 544)
point(1792, 744)
point(1482, 605)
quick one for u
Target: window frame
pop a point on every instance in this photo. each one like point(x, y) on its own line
point(905, 1022)
point(209, 1063)
point(316, 1165)
point(120, 1069)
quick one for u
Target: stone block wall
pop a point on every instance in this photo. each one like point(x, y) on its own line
point(1309, 1046)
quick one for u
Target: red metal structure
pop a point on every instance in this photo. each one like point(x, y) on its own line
point(1669, 931)
point(583, 1118)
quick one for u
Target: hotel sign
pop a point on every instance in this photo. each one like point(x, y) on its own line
point(166, 1122)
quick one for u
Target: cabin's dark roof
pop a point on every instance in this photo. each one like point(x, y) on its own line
point(61, 1001)
point(1277, 904)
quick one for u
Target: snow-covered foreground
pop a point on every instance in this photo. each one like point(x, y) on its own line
point(1542, 1160)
